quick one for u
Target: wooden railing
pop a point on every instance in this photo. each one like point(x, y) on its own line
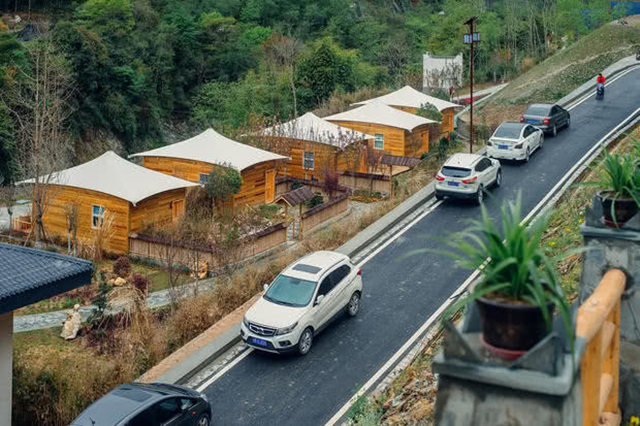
point(22, 224)
point(598, 323)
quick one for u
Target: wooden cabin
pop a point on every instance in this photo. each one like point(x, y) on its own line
point(313, 145)
point(395, 132)
point(410, 100)
point(194, 159)
point(111, 192)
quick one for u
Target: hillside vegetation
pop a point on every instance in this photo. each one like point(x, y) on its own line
point(565, 71)
point(142, 73)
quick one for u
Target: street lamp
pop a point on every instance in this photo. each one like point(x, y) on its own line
point(471, 38)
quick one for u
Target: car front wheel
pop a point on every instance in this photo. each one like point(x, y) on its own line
point(203, 420)
point(541, 141)
point(354, 304)
point(499, 178)
point(305, 342)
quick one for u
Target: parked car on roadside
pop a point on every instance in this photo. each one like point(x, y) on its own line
point(514, 141)
point(154, 404)
point(547, 117)
point(467, 176)
point(301, 301)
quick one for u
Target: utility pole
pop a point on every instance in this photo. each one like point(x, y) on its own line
point(471, 38)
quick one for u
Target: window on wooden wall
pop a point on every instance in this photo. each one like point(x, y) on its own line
point(309, 159)
point(378, 142)
point(203, 178)
point(97, 215)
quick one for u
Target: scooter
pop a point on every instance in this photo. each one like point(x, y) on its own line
point(600, 91)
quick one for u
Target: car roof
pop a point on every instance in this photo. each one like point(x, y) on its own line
point(541, 105)
point(313, 265)
point(513, 125)
point(123, 401)
point(462, 160)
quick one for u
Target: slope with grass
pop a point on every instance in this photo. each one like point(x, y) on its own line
point(563, 72)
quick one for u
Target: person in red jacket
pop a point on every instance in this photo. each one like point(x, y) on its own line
point(600, 78)
point(600, 83)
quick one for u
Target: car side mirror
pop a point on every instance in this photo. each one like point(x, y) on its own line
point(319, 299)
point(265, 287)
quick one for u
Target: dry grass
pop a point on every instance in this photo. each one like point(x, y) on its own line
point(340, 101)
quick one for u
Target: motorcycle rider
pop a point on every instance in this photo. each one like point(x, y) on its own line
point(600, 82)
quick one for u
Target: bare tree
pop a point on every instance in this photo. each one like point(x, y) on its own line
point(283, 51)
point(374, 161)
point(351, 149)
point(71, 213)
point(39, 99)
point(8, 197)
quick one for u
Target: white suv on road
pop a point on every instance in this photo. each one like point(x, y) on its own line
point(301, 301)
point(467, 176)
point(514, 141)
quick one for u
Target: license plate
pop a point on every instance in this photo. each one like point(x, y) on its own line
point(532, 121)
point(259, 342)
point(453, 183)
point(503, 146)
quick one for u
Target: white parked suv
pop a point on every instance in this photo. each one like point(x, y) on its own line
point(301, 301)
point(467, 176)
point(514, 141)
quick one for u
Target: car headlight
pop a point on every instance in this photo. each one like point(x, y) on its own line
point(286, 330)
point(245, 321)
point(519, 146)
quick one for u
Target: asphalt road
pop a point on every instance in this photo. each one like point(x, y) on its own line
point(400, 293)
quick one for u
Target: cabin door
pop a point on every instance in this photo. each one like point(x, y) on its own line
point(269, 186)
point(178, 209)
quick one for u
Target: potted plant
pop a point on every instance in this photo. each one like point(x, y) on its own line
point(620, 188)
point(518, 289)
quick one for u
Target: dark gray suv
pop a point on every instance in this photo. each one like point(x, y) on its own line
point(547, 117)
point(155, 404)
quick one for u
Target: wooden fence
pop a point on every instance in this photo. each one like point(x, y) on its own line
point(22, 224)
point(150, 248)
point(598, 322)
point(318, 215)
point(366, 181)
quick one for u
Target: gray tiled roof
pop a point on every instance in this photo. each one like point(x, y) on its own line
point(28, 275)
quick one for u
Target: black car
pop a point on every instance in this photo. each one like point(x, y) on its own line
point(547, 117)
point(154, 404)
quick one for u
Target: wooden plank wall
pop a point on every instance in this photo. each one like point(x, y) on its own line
point(310, 222)
point(417, 141)
point(394, 142)
point(55, 219)
point(365, 184)
point(157, 209)
point(252, 191)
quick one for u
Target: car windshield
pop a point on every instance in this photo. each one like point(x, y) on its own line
point(541, 111)
point(290, 291)
point(508, 131)
point(455, 171)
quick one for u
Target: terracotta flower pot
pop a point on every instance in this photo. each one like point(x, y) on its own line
point(623, 209)
point(510, 329)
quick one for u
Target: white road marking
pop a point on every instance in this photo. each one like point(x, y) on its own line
point(464, 285)
point(220, 373)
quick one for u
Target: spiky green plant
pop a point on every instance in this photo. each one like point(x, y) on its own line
point(514, 266)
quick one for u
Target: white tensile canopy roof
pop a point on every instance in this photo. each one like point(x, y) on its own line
point(213, 148)
point(410, 97)
point(113, 175)
point(379, 113)
point(310, 127)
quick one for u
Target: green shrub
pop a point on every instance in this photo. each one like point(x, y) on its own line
point(315, 201)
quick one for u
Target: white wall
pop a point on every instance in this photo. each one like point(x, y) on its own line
point(445, 66)
point(6, 367)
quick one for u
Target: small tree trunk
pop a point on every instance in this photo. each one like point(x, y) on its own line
point(293, 92)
